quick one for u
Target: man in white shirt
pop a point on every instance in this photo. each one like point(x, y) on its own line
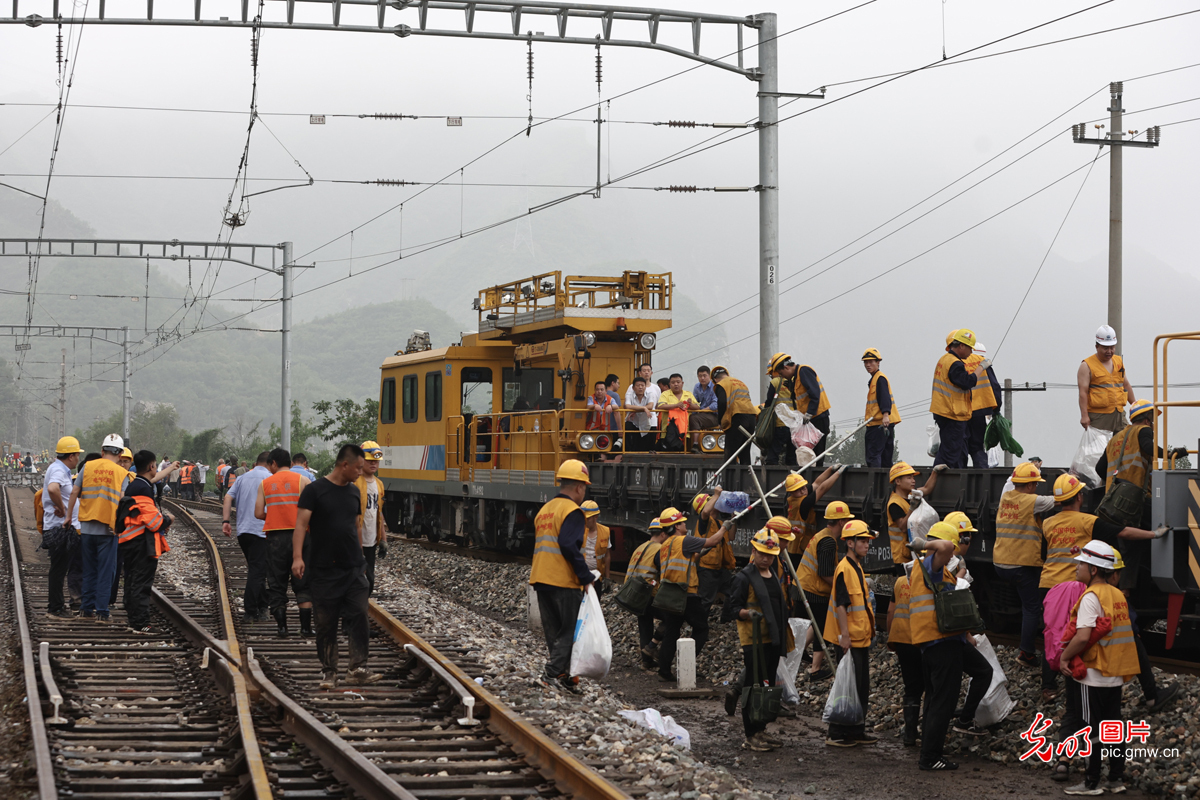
point(642, 422)
point(59, 536)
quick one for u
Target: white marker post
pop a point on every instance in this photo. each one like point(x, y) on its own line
point(685, 651)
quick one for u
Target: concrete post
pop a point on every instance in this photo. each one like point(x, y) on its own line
point(1116, 158)
point(285, 392)
point(768, 196)
point(685, 653)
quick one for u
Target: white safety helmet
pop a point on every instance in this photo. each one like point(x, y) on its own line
point(980, 349)
point(1098, 554)
point(1106, 336)
point(113, 442)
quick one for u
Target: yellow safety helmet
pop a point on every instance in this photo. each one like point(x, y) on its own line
point(781, 527)
point(778, 360)
point(960, 521)
point(573, 470)
point(872, 355)
point(655, 527)
point(899, 470)
point(699, 500)
point(671, 516)
point(1066, 486)
point(950, 337)
point(1120, 562)
point(127, 453)
point(589, 508)
point(765, 542)
point(857, 529)
point(794, 483)
point(838, 510)
point(372, 451)
point(944, 531)
point(1027, 473)
point(719, 368)
point(964, 336)
point(67, 445)
point(1140, 407)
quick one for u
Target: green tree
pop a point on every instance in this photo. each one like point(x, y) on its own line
point(342, 421)
point(154, 428)
point(853, 451)
point(302, 430)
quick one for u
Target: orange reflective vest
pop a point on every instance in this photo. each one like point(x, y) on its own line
point(810, 581)
point(145, 516)
point(720, 556)
point(1125, 459)
point(281, 492)
point(900, 633)
point(860, 617)
point(675, 567)
point(873, 413)
point(948, 400)
point(1115, 654)
point(1106, 390)
point(549, 565)
point(1018, 532)
point(801, 403)
point(642, 563)
point(803, 528)
point(897, 536)
point(603, 536)
point(1064, 532)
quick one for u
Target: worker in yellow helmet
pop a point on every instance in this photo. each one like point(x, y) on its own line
point(816, 570)
point(736, 411)
point(715, 567)
point(882, 414)
point(641, 563)
point(59, 537)
point(560, 573)
point(951, 403)
point(1017, 556)
point(986, 402)
point(798, 387)
point(802, 502)
point(850, 623)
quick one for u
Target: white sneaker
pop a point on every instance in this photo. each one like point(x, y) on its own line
point(1084, 789)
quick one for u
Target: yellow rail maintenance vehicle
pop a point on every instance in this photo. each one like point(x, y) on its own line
point(472, 433)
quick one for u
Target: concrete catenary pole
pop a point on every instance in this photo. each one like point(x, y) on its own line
point(125, 395)
point(1008, 392)
point(62, 397)
point(1116, 157)
point(768, 195)
point(285, 392)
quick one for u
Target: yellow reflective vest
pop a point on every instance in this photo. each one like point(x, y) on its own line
point(810, 581)
point(721, 556)
point(100, 491)
point(737, 400)
point(1115, 654)
point(1106, 390)
point(983, 396)
point(948, 400)
point(642, 563)
point(1125, 460)
point(745, 627)
point(922, 615)
point(675, 567)
point(549, 565)
point(873, 413)
point(1018, 532)
point(859, 616)
point(804, 528)
point(900, 633)
point(802, 398)
point(1063, 532)
point(897, 536)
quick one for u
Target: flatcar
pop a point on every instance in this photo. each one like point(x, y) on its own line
point(473, 432)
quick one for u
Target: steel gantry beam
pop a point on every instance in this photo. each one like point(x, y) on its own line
point(504, 21)
point(251, 255)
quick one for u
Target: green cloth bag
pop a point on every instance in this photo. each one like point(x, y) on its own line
point(999, 431)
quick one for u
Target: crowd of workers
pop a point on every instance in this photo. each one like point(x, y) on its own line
point(1073, 571)
point(100, 517)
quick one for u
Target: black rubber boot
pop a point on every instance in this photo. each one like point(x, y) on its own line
point(912, 718)
point(281, 621)
point(306, 629)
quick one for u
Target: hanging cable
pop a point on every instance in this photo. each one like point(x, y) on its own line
point(529, 73)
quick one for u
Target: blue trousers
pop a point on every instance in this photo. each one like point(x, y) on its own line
point(976, 427)
point(99, 553)
point(881, 444)
point(953, 450)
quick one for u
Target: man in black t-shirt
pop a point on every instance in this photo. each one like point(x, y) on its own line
point(328, 511)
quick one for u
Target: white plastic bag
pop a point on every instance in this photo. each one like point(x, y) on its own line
point(996, 704)
point(789, 665)
point(591, 652)
point(920, 520)
point(667, 726)
point(996, 456)
point(935, 440)
point(804, 434)
point(843, 706)
point(1091, 447)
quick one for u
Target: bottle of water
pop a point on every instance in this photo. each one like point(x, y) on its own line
point(537, 425)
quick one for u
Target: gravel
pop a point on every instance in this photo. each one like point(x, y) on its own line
point(497, 591)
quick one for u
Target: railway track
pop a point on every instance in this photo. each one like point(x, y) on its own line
point(427, 727)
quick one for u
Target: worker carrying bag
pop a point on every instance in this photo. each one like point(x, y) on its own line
point(1123, 502)
point(672, 596)
point(956, 609)
point(636, 592)
point(761, 702)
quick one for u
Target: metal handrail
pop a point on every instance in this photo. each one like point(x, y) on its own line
point(1165, 405)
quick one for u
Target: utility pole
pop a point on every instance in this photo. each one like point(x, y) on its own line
point(125, 372)
point(285, 330)
point(1008, 404)
point(1116, 140)
point(62, 397)
point(768, 195)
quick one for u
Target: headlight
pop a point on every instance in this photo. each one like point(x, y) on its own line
point(708, 442)
point(721, 441)
point(647, 341)
point(603, 442)
point(587, 441)
point(589, 338)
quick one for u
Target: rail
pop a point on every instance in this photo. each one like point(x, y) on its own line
point(554, 763)
point(43, 762)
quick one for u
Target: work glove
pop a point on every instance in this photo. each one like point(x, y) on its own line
point(1179, 452)
point(941, 467)
point(806, 417)
point(841, 468)
point(381, 550)
point(985, 365)
point(916, 494)
point(918, 545)
point(755, 616)
point(1161, 531)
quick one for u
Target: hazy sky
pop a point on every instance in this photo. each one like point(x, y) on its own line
point(847, 166)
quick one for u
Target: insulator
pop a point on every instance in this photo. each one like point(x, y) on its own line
point(60, 48)
point(686, 189)
point(529, 64)
point(386, 116)
point(599, 65)
point(681, 123)
point(392, 182)
point(254, 52)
